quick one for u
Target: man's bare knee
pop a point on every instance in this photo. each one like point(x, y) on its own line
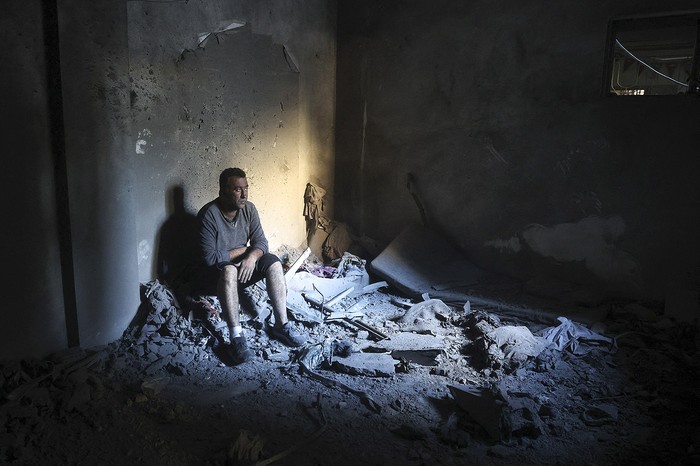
point(229, 274)
point(275, 271)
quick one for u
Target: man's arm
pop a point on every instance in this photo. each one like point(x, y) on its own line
point(247, 257)
point(256, 236)
point(258, 246)
point(207, 240)
point(238, 254)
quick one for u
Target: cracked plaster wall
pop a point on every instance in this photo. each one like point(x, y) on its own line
point(123, 162)
point(259, 96)
point(497, 110)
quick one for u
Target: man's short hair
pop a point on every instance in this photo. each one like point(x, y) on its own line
point(228, 173)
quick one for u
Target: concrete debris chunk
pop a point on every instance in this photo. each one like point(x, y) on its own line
point(413, 347)
point(516, 343)
point(486, 406)
point(498, 346)
point(160, 315)
point(525, 421)
point(295, 266)
point(165, 348)
point(274, 356)
point(412, 341)
point(374, 287)
point(451, 432)
point(305, 282)
point(157, 365)
point(301, 310)
point(365, 364)
point(502, 415)
point(424, 316)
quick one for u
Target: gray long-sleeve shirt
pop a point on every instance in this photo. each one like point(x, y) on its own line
point(217, 235)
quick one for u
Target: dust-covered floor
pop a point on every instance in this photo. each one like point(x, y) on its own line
point(170, 396)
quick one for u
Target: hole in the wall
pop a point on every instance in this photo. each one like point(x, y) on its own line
point(654, 55)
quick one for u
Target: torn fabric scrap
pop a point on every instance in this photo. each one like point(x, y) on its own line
point(569, 335)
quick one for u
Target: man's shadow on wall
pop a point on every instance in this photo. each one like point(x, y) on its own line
point(178, 247)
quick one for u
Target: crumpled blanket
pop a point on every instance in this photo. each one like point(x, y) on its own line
point(569, 335)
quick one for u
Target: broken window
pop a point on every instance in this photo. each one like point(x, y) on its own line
point(653, 55)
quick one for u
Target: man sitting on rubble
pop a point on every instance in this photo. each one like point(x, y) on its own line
point(235, 253)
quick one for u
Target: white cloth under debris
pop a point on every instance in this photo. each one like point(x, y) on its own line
point(569, 335)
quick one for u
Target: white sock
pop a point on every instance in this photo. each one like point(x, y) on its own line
point(235, 331)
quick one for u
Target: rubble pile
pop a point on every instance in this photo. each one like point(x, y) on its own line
point(386, 377)
point(163, 338)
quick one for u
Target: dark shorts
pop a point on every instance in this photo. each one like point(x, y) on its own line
point(209, 276)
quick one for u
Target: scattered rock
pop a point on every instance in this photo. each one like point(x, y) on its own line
point(276, 356)
point(487, 406)
point(129, 400)
point(423, 317)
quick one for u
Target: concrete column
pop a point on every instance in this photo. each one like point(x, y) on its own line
point(32, 321)
point(95, 71)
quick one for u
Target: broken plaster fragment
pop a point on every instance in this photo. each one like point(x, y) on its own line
point(291, 60)
point(224, 26)
point(484, 405)
point(275, 356)
point(140, 146)
point(367, 364)
point(425, 316)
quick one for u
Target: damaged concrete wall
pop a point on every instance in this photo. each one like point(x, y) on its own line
point(118, 180)
point(32, 319)
point(70, 249)
point(497, 110)
point(245, 96)
point(100, 168)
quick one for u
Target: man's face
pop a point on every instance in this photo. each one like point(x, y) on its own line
point(235, 192)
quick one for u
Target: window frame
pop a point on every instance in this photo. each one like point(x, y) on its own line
point(628, 23)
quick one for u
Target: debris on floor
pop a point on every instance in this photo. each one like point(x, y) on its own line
point(401, 379)
point(498, 346)
point(486, 406)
